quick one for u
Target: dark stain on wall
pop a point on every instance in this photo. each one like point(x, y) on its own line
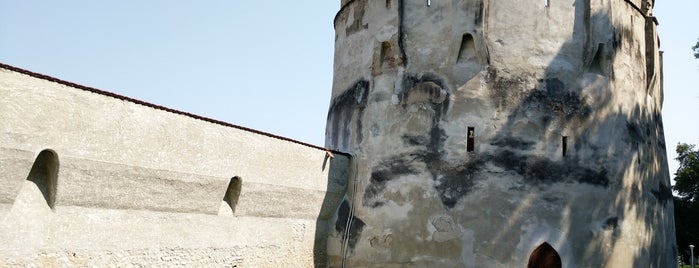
point(616, 40)
point(660, 135)
point(594, 177)
point(554, 85)
point(425, 83)
point(436, 136)
point(536, 169)
point(385, 172)
point(455, 180)
point(415, 140)
point(562, 101)
point(634, 132)
point(625, 34)
point(479, 15)
point(355, 224)
point(553, 100)
point(506, 92)
point(350, 103)
point(452, 181)
point(451, 186)
point(381, 174)
point(355, 96)
point(512, 142)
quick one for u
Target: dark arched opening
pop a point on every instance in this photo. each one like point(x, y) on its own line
point(44, 174)
point(233, 192)
point(544, 256)
point(467, 50)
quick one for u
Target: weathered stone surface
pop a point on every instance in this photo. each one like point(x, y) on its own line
point(482, 129)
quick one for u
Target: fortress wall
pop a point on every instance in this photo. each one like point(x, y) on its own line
point(90, 179)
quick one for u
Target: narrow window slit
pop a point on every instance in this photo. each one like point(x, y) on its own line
point(564, 145)
point(598, 62)
point(385, 56)
point(470, 140)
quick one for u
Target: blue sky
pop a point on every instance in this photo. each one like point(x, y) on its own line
point(266, 65)
point(263, 65)
point(679, 31)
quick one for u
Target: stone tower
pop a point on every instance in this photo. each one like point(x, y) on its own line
point(482, 129)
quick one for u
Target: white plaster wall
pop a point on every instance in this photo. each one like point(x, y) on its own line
point(140, 186)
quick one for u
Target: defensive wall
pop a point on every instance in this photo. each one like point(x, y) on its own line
point(93, 179)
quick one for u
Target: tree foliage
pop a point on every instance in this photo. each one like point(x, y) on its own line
point(686, 228)
point(686, 201)
point(695, 48)
point(687, 176)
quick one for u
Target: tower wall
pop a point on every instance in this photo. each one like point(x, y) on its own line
point(482, 129)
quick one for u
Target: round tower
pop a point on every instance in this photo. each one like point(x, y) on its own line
point(482, 130)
